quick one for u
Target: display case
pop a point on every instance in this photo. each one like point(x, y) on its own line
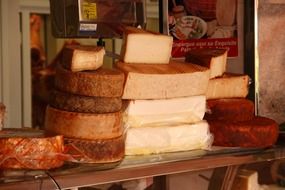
point(225, 161)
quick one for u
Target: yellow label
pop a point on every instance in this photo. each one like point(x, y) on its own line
point(89, 11)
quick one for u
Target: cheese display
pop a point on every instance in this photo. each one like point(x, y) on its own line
point(165, 111)
point(228, 86)
point(153, 140)
point(102, 82)
point(85, 104)
point(257, 132)
point(230, 109)
point(215, 59)
point(80, 58)
point(173, 80)
point(30, 149)
point(2, 115)
point(83, 125)
point(96, 151)
point(140, 46)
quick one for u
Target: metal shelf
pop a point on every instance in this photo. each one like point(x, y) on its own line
point(80, 175)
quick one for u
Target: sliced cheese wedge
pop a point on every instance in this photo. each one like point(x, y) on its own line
point(165, 111)
point(246, 180)
point(228, 86)
point(155, 81)
point(140, 46)
point(153, 140)
point(80, 58)
point(215, 59)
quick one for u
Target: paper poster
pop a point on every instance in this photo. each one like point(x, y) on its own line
point(203, 24)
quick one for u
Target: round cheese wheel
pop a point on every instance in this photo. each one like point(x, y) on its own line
point(30, 149)
point(83, 125)
point(96, 151)
point(232, 109)
point(85, 104)
point(256, 133)
point(100, 83)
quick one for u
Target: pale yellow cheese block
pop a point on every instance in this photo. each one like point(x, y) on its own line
point(228, 86)
point(156, 81)
point(140, 46)
point(80, 58)
point(83, 125)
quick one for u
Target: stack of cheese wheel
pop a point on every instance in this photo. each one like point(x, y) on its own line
point(230, 115)
point(86, 106)
point(164, 100)
point(2, 115)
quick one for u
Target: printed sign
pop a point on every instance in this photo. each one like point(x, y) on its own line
point(203, 24)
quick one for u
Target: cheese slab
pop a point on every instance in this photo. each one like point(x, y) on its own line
point(173, 80)
point(140, 46)
point(165, 111)
point(101, 83)
point(154, 140)
point(215, 59)
point(85, 104)
point(30, 149)
point(229, 109)
point(2, 115)
point(83, 125)
point(82, 57)
point(96, 151)
point(228, 86)
point(246, 180)
point(258, 132)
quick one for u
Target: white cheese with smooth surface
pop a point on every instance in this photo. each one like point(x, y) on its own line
point(165, 111)
point(140, 46)
point(154, 140)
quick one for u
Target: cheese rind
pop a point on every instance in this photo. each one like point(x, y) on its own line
point(79, 58)
point(100, 83)
point(86, 104)
point(30, 149)
point(96, 151)
point(153, 140)
point(140, 46)
point(154, 81)
point(215, 59)
point(230, 109)
point(165, 111)
point(259, 132)
point(228, 86)
point(83, 125)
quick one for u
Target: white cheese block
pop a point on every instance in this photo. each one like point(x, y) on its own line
point(153, 140)
point(215, 59)
point(80, 58)
point(140, 46)
point(228, 86)
point(156, 81)
point(165, 111)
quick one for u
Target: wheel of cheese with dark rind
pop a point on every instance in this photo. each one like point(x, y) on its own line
point(30, 149)
point(232, 109)
point(102, 82)
point(96, 151)
point(256, 133)
point(85, 104)
point(83, 125)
